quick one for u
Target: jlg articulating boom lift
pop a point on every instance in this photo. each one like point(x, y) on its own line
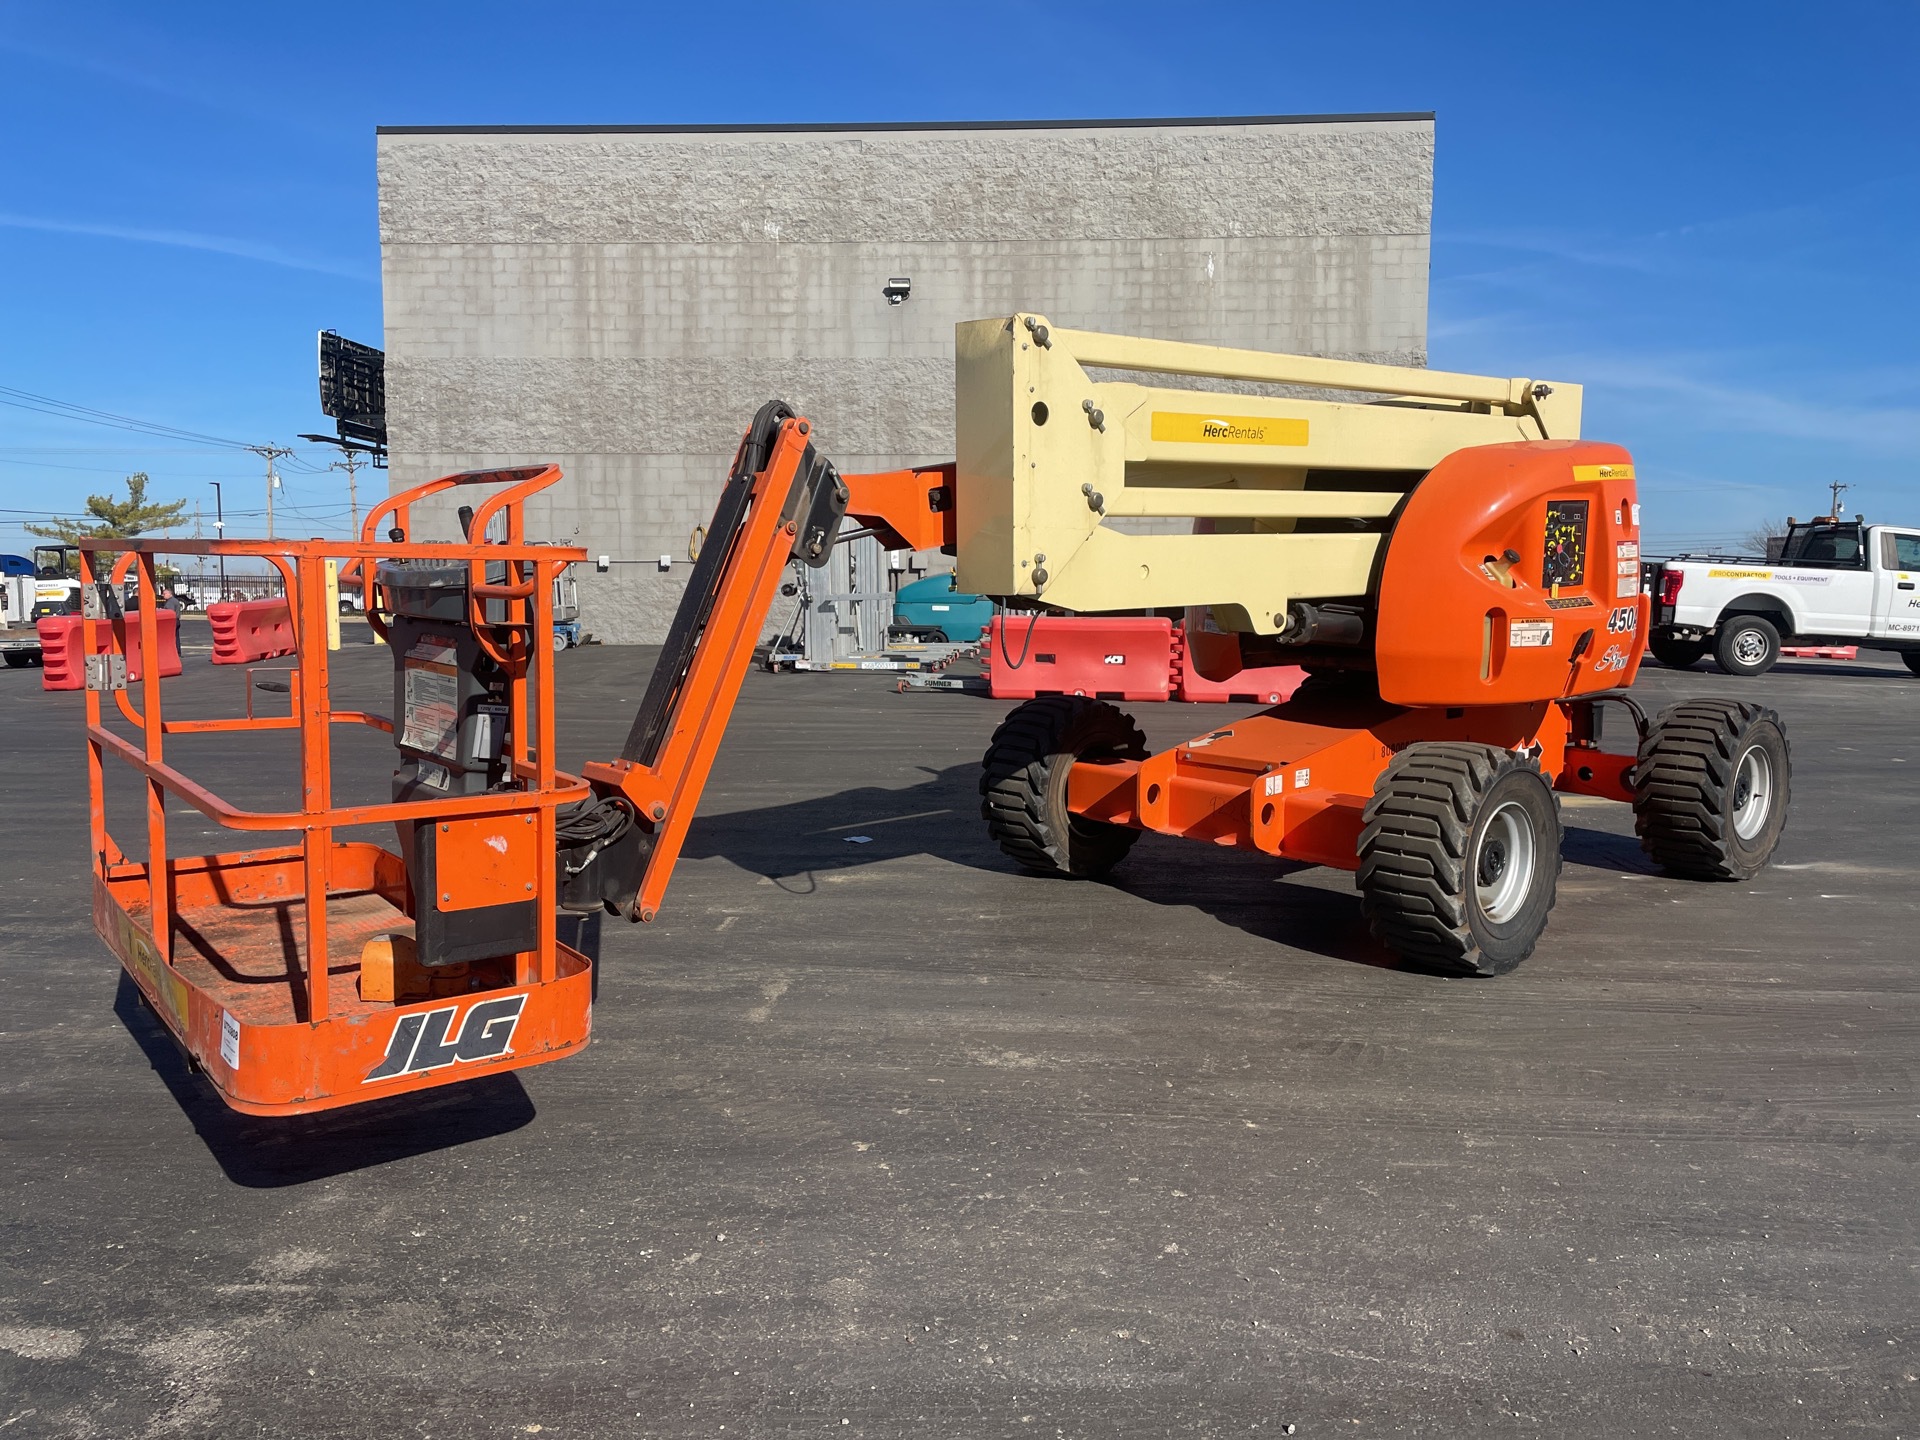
point(1457, 570)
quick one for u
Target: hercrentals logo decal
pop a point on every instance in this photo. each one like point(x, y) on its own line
point(421, 1042)
point(1227, 429)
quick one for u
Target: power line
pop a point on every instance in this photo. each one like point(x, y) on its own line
point(66, 409)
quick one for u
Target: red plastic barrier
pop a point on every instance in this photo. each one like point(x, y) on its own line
point(1822, 652)
point(248, 630)
point(1255, 684)
point(63, 667)
point(1116, 659)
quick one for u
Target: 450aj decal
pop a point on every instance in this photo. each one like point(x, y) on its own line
point(1623, 621)
point(420, 1042)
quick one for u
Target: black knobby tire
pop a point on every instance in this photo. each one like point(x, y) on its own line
point(1912, 659)
point(1676, 654)
point(1701, 769)
point(1746, 645)
point(1447, 830)
point(1023, 784)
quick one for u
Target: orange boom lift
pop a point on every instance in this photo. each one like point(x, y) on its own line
point(1455, 690)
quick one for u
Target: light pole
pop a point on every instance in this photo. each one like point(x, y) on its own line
point(220, 532)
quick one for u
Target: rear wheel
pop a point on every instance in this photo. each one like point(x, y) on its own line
point(1710, 789)
point(19, 659)
point(1677, 654)
point(1460, 857)
point(1023, 784)
point(936, 637)
point(1746, 645)
point(1912, 659)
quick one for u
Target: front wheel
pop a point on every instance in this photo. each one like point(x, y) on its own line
point(1023, 785)
point(19, 659)
point(1912, 659)
point(1746, 645)
point(1710, 789)
point(1460, 857)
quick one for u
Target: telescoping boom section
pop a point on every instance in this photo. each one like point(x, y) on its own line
point(1456, 569)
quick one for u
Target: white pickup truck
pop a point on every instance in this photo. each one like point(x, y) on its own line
point(1834, 583)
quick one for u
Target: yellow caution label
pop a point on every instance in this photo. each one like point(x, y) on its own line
point(1739, 574)
point(1589, 474)
point(1227, 429)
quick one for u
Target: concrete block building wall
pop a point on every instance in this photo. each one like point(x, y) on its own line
point(622, 300)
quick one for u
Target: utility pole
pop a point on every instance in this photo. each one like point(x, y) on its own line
point(351, 463)
point(1837, 489)
point(220, 533)
point(270, 453)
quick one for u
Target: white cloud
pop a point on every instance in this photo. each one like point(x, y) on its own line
point(188, 240)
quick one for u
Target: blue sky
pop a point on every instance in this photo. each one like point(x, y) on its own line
point(1707, 213)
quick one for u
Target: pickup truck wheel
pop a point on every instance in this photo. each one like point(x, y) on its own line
point(1677, 654)
point(1710, 789)
point(1460, 857)
point(1746, 645)
point(1023, 785)
point(18, 659)
point(1912, 659)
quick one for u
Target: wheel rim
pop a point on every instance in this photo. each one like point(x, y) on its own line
point(1503, 863)
point(1752, 793)
point(1749, 647)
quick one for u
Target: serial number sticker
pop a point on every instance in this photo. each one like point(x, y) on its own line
point(1302, 779)
point(229, 1040)
point(1529, 634)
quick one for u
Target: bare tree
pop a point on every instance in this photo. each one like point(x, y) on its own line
point(1756, 539)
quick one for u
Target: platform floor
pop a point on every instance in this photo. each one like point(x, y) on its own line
point(875, 1130)
point(252, 959)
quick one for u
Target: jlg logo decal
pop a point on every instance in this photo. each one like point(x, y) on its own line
point(420, 1042)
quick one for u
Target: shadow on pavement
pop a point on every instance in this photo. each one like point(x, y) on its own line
point(265, 1153)
point(940, 817)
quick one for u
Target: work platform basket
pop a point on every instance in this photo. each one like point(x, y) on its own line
point(264, 987)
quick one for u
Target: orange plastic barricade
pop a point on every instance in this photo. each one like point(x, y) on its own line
point(248, 630)
point(1821, 652)
point(1195, 651)
point(62, 657)
point(1128, 658)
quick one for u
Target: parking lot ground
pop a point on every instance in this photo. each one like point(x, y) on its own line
point(879, 1137)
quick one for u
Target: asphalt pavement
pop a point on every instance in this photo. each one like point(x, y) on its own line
point(879, 1137)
